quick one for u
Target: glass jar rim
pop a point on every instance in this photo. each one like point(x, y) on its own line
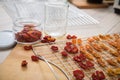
point(20, 22)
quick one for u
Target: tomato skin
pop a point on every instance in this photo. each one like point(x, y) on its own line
point(78, 74)
point(34, 58)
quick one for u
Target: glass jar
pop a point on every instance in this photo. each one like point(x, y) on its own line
point(27, 30)
point(56, 12)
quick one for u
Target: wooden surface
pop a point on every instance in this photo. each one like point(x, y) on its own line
point(11, 68)
point(84, 4)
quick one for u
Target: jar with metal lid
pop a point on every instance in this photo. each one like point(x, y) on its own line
point(27, 30)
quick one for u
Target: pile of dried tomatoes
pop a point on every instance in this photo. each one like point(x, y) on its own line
point(28, 34)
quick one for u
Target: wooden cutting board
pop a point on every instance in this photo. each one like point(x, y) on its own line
point(85, 5)
point(11, 68)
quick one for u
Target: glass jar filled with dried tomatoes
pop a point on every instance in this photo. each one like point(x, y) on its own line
point(27, 30)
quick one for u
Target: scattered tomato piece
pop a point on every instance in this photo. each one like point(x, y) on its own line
point(69, 36)
point(34, 58)
point(48, 39)
point(64, 54)
point(54, 48)
point(68, 43)
point(79, 58)
point(27, 47)
point(78, 74)
point(98, 75)
point(74, 49)
point(71, 48)
point(74, 37)
point(24, 63)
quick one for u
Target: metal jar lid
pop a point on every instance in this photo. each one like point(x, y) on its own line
point(6, 40)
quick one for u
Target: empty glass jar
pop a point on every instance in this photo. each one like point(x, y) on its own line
point(56, 12)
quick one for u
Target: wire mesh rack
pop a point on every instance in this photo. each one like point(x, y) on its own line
point(69, 65)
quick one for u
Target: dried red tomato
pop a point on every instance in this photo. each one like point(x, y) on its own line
point(69, 36)
point(83, 65)
point(24, 63)
point(74, 37)
point(86, 64)
point(44, 41)
point(34, 58)
point(28, 34)
point(98, 75)
point(64, 54)
point(80, 57)
point(54, 48)
point(89, 64)
point(48, 39)
point(70, 48)
point(68, 43)
point(78, 74)
point(74, 49)
point(27, 47)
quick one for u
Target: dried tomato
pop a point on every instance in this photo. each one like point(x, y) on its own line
point(34, 58)
point(80, 57)
point(68, 49)
point(83, 65)
point(69, 36)
point(64, 54)
point(24, 63)
point(68, 43)
point(44, 41)
point(78, 74)
point(74, 37)
point(48, 39)
point(27, 47)
point(54, 48)
point(89, 64)
point(86, 64)
point(98, 75)
point(74, 49)
point(28, 34)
